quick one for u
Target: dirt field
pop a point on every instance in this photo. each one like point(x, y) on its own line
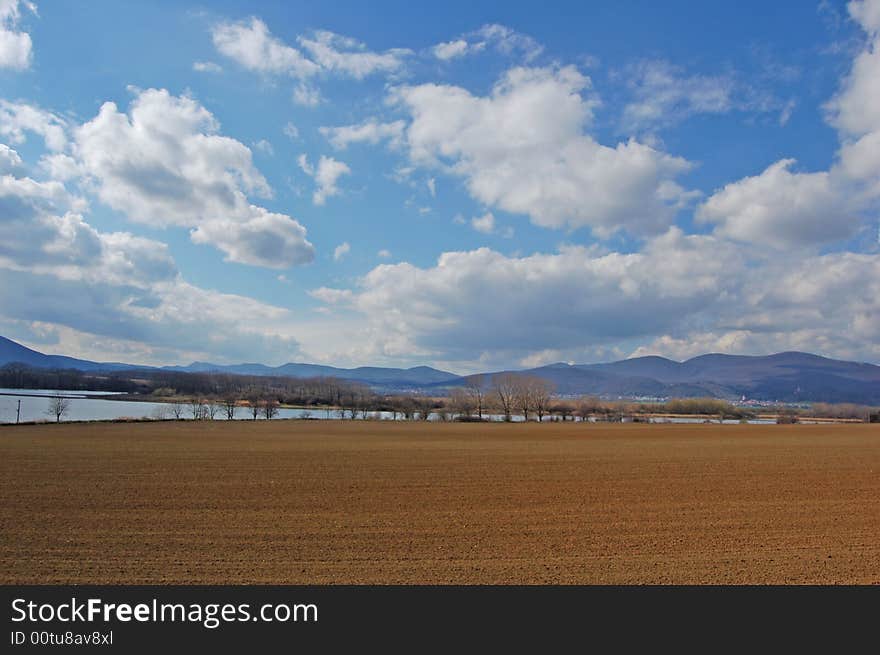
point(375, 502)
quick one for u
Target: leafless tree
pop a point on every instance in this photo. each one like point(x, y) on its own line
point(425, 405)
point(504, 388)
point(270, 407)
point(176, 409)
point(462, 402)
point(230, 404)
point(58, 406)
point(212, 408)
point(197, 408)
point(541, 391)
point(254, 399)
point(474, 386)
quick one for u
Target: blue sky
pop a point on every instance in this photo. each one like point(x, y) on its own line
point(469, 185)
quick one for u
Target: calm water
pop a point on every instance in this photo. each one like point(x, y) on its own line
point(85, 408)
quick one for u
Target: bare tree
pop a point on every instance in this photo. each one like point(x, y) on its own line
point(58, 406)
point(522, 395)
point(541, 391)
point(462, 402)
point(270, 407)
point(474, 386)
point(504, 388)
point(254, 399)
point(197, 408)
point(212, 408)
point(424, 404)
point(177, 409)
point(230, 404)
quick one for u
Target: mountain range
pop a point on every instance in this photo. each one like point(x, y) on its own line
point(787, 376)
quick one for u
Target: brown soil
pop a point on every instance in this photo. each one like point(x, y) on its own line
point(315, 502)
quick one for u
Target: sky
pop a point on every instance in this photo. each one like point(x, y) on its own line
point(468, 185)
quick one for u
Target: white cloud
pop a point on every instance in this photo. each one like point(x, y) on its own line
point(786, 209)
point(207, 67)
point(341, 251)
point(450, 49)
point(290, 130)
point(347, 56)
point(252, 45)
point(10, 162)
point(478, 302)
point(523, 149)
point(16, 48)
point(164, 164)
point(326, 174)
point(16, 119)
point(306, 96)
point(264, 146)
point(432, 186)
point(505, 40)
point(781, 208)
point(484, 223)
point(384, 254)
point(370, 131)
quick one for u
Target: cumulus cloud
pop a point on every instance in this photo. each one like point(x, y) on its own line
point(480, 301)
point(16, 48)
point(291, 131)
point(484, 223)
point(207, 67)
point(341, 251)
point(350, 57)
point(117, 289)
point(17, 119)
point(326, 174)
point(370, 131)
point(10, 162)
point(252, 45)
point(164, 163)
point(782, 208)
point(524, 149)
point(500, 37)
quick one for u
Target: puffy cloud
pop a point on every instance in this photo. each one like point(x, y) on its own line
point(10, 162)
point(505, 40)
point(664, 94)
point(207, 67)
point(290, 130)
point(163, 163)
point(262, 238)
point(370, 131)
point(478, 302)
point(306, 96)
point(787, 209)
point(252, 45)
point(484, 223)
point(782, 208)
point(384, 254)
point(15, 46)
point(16, 119)
point(326, 174)
point(341, 251)
point(347, 56)
point(523, 149)
point(451, 49)
point(116, 289)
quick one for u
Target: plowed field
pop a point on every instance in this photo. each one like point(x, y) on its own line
point(317, 502)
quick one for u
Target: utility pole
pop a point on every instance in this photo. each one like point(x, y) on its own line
point(18, 411)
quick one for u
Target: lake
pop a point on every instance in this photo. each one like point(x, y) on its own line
point(84, 407)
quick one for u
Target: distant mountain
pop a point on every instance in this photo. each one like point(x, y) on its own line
point(381, 378)
point(787, 377)
point(372, 375)
point(10, 351)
